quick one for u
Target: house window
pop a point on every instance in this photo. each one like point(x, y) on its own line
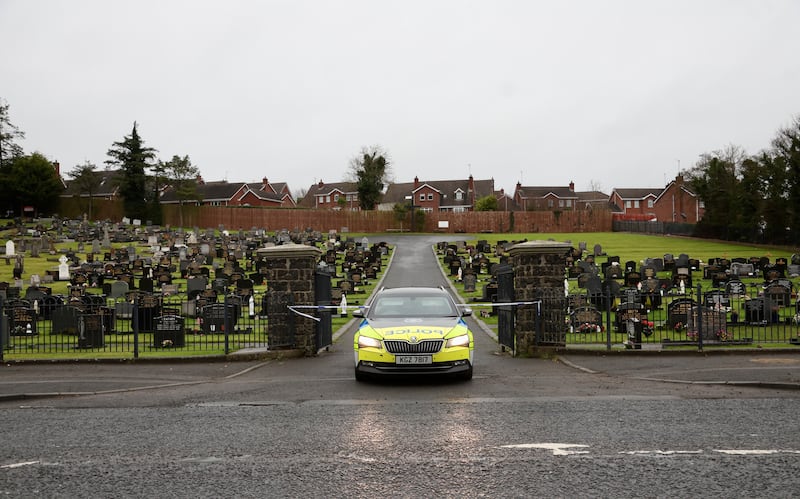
point(560, 203)
point(628, 204)
point(430, 197)
point(550, 203)
point(327, 199)
point(422, 197)
point(336, 197)
point(636, 204)
point(650, 203)
point(568, 203)
point(459, 195)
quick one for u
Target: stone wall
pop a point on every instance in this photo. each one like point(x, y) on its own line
point(290, 273)
point(539, 268)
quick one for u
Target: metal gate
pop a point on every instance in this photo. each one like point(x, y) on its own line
point(322, 298)
point(506, 314)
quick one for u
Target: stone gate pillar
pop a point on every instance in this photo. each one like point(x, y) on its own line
point(539, 271)
point(290, 281)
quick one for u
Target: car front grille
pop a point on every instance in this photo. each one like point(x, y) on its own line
point(425, 346)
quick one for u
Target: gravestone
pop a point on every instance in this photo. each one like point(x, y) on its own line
point(585, 319)
point(10, 248)
point(678, 312)
point(118, 289)
point(469, 283)
point(169, 332)
point(712, 322)
point(735, 287)
point(63, 269)
point(90, 331)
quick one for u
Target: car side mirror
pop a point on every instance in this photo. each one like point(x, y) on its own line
point(358, 312)
point(466, 312)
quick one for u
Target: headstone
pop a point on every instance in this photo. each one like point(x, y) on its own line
point(469, 283)
point(63, 269)
point(10, 248)
point(118, 289)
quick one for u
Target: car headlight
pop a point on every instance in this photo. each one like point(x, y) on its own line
point(458, 341)
point(366, 341)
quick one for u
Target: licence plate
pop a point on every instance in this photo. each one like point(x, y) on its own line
point(413, 359)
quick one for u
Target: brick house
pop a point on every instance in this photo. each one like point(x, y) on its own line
point(438, 195)
point(275, 195)
point(679, 203)
point(635, 203)
point(224, 193)
point(539, 198)
point(336, 196)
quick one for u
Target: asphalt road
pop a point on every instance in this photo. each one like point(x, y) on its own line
point(580, 426)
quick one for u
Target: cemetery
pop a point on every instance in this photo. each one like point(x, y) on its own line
point(661, 301)
point(70, 287)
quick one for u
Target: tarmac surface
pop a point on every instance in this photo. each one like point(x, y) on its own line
point(28, 380)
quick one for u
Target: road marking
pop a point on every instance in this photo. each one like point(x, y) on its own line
point(18, 465)
point(756, 452)
point(557, 449)
point(660, 452)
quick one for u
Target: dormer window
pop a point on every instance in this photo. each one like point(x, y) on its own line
point(459, 195)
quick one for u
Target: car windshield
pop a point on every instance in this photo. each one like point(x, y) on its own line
point(412, 306)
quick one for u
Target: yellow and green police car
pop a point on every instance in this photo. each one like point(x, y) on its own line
point(413, 330)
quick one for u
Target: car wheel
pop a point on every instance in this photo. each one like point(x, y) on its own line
point(360, 376)
point(466, 375)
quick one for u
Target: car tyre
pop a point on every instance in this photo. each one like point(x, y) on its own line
point(360, 376)
point(466, 375)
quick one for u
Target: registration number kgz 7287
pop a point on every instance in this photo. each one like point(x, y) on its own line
point(413, 359)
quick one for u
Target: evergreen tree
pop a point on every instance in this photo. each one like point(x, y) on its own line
point(133, 158)
point(370, 170)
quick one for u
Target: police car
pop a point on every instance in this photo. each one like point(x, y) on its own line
point(413, 331)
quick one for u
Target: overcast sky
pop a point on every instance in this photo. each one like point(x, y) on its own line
point(612, 93)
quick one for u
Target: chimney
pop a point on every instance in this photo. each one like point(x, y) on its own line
point(416, 182)
point(471, 189)
point(264, 184)
point(320, 184)
point(57, 167)
point(571, 186)
point(199, 180)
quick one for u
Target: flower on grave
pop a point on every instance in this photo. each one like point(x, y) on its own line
point(166, 343)
point(724, 335)
point(679, 326)
point(588, 327)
